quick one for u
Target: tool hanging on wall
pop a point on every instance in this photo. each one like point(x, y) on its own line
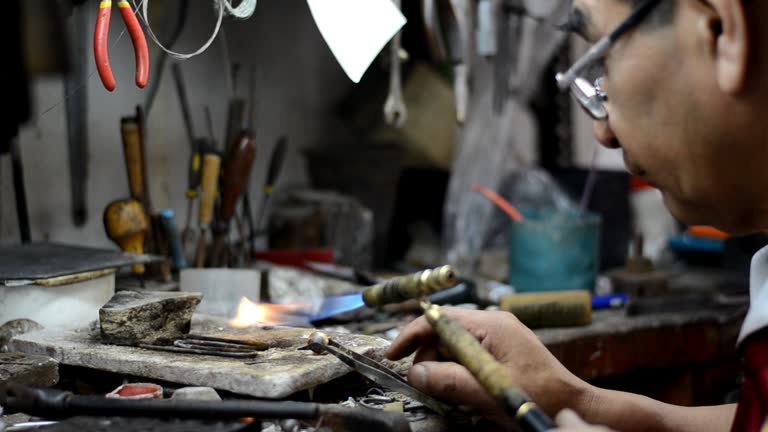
point(509, 35)
point(196, 147)
point(458, 20)
point(178, 24)
point(395, 112)
point(101, 44)
point(76, 101)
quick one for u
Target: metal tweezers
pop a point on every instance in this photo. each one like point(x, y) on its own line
point(378, 373)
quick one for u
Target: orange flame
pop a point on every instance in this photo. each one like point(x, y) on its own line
point(251, 314)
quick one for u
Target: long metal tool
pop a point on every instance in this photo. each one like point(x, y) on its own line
point(76, 100)
point(495, 379)
point(49, 403)
point(195, 156)
point(373, 370)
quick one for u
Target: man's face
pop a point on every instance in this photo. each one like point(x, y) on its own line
point(670, 119)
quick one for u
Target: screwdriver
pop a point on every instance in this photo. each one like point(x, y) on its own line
point(211, 168)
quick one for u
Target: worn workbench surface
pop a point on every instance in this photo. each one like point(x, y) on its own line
point(615, 343)
point(276, 373)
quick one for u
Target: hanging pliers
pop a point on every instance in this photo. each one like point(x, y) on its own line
point(101, 39)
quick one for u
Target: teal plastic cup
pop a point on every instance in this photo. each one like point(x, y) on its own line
point(554, 250)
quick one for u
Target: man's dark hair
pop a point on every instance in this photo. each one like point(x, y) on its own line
point(661, 15)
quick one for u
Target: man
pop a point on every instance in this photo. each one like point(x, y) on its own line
point(682, 90)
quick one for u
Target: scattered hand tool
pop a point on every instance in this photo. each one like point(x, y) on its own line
point(465, 349)
point(392, 291)
point(49, 403)
point(273, 173)
point(101, 44)
point(168, 220)
point(209, 187)
point(237, 173)
point(378, 373)
point(76, 99)
point(126, 224)
point(395, 112)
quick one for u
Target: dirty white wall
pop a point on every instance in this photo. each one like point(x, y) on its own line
point(298, 83)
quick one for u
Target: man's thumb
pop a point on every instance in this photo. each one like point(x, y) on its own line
point(450, 382)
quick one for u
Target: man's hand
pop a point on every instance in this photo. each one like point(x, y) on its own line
point(568, 421)
point(531, 365)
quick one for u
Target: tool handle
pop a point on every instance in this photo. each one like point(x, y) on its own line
point(412, 286)
point(129, 129)
point(464, 347)
point(208, 185)
point(139, 43)
point(168, 219)
point(126, 223)
point(100, 45)
point(237, 173)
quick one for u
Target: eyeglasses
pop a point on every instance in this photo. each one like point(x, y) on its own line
point(585, 77)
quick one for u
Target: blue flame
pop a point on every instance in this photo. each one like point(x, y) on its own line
point(335, 305)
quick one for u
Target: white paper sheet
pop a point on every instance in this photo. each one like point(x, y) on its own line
point(356, 30)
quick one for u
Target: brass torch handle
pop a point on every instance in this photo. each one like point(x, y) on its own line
point(408, 287)
point(495, 379)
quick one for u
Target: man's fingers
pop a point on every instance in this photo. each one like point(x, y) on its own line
point(419, 333)
point(569, 419)
point(416, 334)
point(450, 382)
point(428, 353)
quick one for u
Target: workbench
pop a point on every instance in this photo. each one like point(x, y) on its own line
point(686, 358)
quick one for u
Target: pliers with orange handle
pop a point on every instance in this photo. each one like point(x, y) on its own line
point(101, 38)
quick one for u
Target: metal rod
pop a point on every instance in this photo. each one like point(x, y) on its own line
point(22, 213)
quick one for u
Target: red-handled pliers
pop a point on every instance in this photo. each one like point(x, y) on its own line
point(101, 38)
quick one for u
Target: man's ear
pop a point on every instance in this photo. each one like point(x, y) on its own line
point(727, 27)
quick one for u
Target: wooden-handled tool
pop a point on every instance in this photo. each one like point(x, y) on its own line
point(237, 173)
point(211, 168)
point(129, 128)
point(126, 224)
point(495, 379)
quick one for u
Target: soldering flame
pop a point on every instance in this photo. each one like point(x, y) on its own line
point(250, 314)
